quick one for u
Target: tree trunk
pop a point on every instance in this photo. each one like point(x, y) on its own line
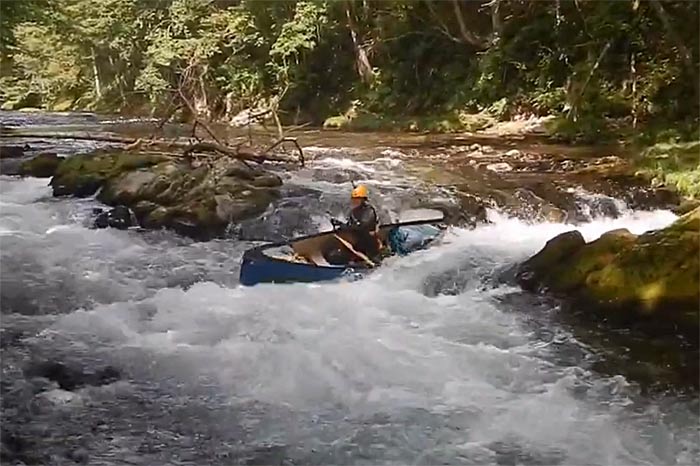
point(686, 55)
point(364, 67)
point(96, 74)
point(467, 35)
point(633, 71)
point(496, 23)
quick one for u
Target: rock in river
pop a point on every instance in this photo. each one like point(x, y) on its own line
point(41, 166)
point(196, 200)
point(654, 275)
point(119, 217)
point(12, 151)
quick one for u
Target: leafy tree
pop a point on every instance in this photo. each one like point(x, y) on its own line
point(584, 60)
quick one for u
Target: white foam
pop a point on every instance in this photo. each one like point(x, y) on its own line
point(343, 163)
point(346, 351)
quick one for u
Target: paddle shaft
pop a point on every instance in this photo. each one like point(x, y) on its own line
point(357, 253)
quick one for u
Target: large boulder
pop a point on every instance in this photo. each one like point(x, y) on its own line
point(82, 175)
point(656, 274)
point(197, 200)
point(41, 166)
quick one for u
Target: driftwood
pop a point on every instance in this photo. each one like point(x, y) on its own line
point(238, 151)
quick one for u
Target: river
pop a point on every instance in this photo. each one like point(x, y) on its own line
point(427, 361)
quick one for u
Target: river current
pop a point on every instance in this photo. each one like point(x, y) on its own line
point(427, 361)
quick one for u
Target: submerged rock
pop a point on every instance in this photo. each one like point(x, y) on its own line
point(71, 378)
point(119, 217)
point(199, 201)
point(41, 166)
point(686, 206)
point(654, 275)
point(13, 151)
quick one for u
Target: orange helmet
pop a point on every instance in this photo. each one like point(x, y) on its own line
point(359, 192)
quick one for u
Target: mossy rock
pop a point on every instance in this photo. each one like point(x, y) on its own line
point(654, 275)
point(128, 188)
point(594, 256)
point(686, 206)
point(82, 175)
point(536, 271)
point(41, 166)
point(199, 202)
point(336, 122)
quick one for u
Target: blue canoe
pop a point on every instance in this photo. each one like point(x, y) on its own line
point(303, 260)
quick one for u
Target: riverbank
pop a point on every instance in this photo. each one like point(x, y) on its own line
point(668, 164)
point(520, 173)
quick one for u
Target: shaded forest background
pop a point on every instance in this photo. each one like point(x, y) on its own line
point(406, 64)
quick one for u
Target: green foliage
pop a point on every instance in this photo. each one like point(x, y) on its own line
point(588, 129)
point(674, 164)
point(413, 64)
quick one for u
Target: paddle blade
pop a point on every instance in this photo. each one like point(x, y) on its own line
point(420, 215)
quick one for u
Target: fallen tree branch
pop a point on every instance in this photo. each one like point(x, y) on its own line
point(239, 151)
point(197, 121)
point(242, 153)
point(165, 119)
point(288, 139)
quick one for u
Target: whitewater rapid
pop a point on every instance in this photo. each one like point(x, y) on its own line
point(424, 362)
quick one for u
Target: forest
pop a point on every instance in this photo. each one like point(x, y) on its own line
point(400, 64)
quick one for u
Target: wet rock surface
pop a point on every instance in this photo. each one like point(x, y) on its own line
point(70, 378)
point(537, 181)
point(11, 151)
point(199, 200)
point(651, 276)
point(41, 166)
point(119, 217)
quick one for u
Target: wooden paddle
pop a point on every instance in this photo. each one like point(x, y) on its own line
point(357, 253)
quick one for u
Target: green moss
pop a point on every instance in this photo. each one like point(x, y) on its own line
point(586, 130)
point(444, 122)
point(62, 105)
point(41, 166)
point(336, 122)
point(82, 175)
point(673, 164)
point(593, 257)
point(654, 274)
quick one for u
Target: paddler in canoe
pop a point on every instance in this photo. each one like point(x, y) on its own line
point(363, 225)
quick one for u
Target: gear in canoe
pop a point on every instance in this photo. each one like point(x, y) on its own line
point(316, 258)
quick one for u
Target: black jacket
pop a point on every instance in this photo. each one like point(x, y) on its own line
point(362, 218)
point(362, 222)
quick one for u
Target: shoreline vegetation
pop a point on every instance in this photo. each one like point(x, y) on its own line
point(579, 72)
point(600, 69)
